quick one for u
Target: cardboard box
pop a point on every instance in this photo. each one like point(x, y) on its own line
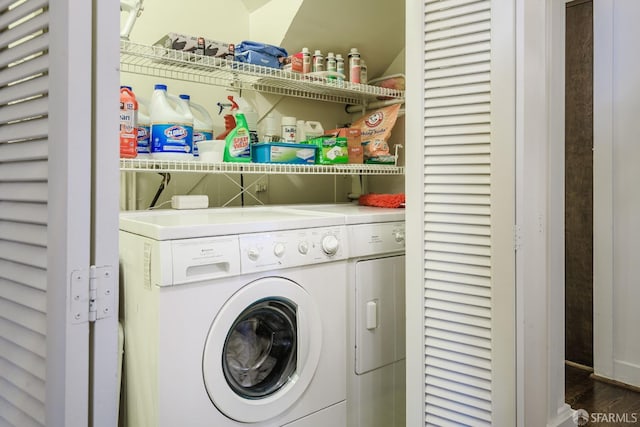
point(331, 150)
point(355, 150)
point(197, 44)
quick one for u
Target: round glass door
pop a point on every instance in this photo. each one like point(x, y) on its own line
point(259, 354)
point(262, 350)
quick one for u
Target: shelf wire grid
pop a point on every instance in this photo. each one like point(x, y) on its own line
point(161, 62)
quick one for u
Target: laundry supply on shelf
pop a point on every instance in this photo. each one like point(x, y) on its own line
point(375, 130)
point(237, 142)
point(171, 129)
point(128, 123)
point(263, 54)
point(197, 44)
point(144, 128)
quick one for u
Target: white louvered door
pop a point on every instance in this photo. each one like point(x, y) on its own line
point(461, 340)
point(46, 211)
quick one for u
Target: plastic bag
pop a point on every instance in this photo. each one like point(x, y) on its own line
point(260, 54)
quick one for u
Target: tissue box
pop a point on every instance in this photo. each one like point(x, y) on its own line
point(355, 151)
point(331, 150)
point(199, 45)
point(278, 152)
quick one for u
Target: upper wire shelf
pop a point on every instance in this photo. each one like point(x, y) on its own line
point(161, 62)
point(152, 165)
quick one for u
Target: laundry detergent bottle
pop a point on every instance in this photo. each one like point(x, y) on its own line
point(171, 128)
point(128, 123)
point(202, 125)
point(144, 128)
point(237, 142)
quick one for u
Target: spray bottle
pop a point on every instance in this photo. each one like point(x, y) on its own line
point(237, 146)
point(229, 120)
point(250, 115)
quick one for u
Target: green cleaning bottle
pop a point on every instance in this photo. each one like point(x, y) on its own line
point(237, 147)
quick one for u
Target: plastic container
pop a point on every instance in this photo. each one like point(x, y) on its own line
point(289, 129)
point(300, 135)
point(202, 122)
point(237, 143)
point(339, 67)
point(250, 115)
point(313, 129)
point(354, 65)
point(128, 123)
point(318, 62)
point(306, 60)
point(279, 152)
point(270, 133)
point(144, 128)
point(331, 65)
point(211, 151)
point(171, 130)
point(363, 72)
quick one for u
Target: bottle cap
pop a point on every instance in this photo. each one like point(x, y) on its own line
point(330, 55)
point(317, 52)
point(305, 50)
point(354, 51)
point(160, 87)
point(288, 121)
point(184, 96)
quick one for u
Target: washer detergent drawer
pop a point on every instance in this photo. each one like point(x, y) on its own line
point(379, 312)
point(194, 260)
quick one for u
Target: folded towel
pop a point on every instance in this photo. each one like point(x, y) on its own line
point(382, 200)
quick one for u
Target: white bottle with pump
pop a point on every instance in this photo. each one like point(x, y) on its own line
point(354, 65)
point(171, 130)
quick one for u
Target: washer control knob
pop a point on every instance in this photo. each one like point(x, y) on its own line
point(330, 244)
point(303, 247)
point(278, 250)
point(399, 236)
point(253, 254)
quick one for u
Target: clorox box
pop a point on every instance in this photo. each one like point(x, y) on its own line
point(279, 152)
point(331, 149)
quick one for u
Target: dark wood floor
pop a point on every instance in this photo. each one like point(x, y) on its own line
point(584, 392)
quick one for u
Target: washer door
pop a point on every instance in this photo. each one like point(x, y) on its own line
point(262, 350)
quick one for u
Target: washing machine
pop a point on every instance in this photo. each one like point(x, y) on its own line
point(375, 314)
point(233, 317)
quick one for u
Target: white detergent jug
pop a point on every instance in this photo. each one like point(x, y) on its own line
point(171, 128)
point(144, 128)
point(313, 130)
point(202, 125)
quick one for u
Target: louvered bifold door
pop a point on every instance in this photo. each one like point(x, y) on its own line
point(457, 213)
point(23, 213)
point(33, 338)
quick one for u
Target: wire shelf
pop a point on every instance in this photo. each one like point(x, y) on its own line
point(152, 165)
point(161, 62)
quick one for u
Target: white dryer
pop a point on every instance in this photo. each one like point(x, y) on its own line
point(375, 314)
point(233, 317)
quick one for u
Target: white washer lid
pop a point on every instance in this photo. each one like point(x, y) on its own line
point(170, 224)
point(357, 214)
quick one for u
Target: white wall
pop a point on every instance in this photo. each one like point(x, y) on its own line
point(616, 195)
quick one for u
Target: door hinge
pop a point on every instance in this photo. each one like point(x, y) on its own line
point(92, 294)
point(517, 237)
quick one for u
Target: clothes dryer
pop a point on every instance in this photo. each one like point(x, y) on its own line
point(234, 317)
point(375, 314)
